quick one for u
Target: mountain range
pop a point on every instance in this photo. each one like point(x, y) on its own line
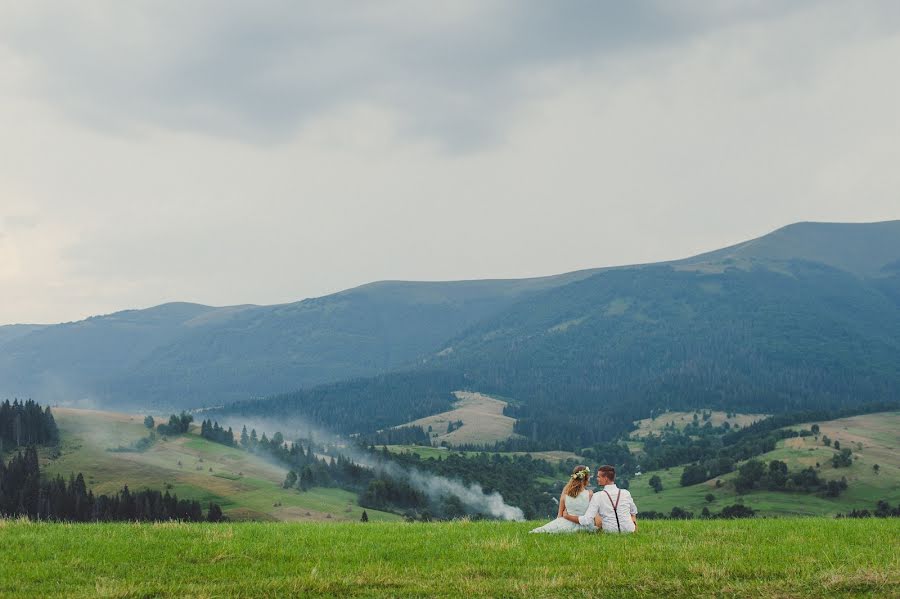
point(806, 315)
point(181, 354)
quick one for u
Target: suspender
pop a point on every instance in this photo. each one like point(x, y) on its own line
point(615, 506)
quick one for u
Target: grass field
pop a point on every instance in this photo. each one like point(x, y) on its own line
point(246, 486)
point(809, 557)
point(682, 419)
point(482, 418)
point(874, 439)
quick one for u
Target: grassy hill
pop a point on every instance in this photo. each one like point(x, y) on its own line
point(681, 419)
point(759, 558)
point(483, 422)
point(874, 439)
point(245, 485)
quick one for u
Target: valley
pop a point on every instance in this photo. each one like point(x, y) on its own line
point(587, 366)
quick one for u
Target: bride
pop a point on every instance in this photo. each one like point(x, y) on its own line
point(574, 499)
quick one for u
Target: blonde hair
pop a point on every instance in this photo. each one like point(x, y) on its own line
point(581, 476)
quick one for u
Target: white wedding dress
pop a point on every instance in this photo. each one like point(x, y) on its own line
point(576, 506)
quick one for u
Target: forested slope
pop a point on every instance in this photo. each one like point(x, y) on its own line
point(589, 358)
point(582, 361)
point(187, 355)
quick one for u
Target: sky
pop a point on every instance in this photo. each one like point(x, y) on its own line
point(264, 152)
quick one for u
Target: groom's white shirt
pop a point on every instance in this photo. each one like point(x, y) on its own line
point(602, 506)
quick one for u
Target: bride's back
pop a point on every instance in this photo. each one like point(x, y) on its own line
point(578, 505)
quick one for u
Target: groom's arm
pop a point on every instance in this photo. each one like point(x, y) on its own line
point(633, 511)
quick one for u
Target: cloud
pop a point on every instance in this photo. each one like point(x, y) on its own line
point(260, 71)
point(265, 153)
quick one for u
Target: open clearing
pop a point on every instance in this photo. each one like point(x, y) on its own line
point(482, 418)
point(246, 485)
point(682, 419)
point(811, 557)
point(874, 439)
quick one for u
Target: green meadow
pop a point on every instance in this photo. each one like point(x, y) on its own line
point(246, 486)
point(873, 438)
point(789, 557)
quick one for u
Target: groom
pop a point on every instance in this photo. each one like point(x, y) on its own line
point(611, 509)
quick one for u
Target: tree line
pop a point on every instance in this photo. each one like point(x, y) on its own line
point(177, 425)
point(775, 476)
point(212, 431)
point(404, 435)
point(24, 492)
point(25, 423)
point(883, 509)
point(729, 512)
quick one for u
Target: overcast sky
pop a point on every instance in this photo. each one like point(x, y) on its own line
point(264, 152)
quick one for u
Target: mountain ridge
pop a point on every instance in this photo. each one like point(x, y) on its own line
point(185, 354)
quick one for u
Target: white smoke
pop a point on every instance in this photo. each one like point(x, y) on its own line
point(471, 496)
point(434, 487)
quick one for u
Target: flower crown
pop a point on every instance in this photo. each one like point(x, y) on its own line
point(582, 474)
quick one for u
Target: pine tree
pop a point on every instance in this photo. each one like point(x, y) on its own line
point(215, 513)
point(365, 517)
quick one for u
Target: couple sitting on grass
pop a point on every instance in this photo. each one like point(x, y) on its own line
point(610, 509)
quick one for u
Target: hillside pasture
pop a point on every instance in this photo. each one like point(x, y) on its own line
point(482, 416)
point(683, 419)
point(878, 435)
point(247, 486)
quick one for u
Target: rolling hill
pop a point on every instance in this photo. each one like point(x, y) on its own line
point(245, 485)
point(873, 438)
